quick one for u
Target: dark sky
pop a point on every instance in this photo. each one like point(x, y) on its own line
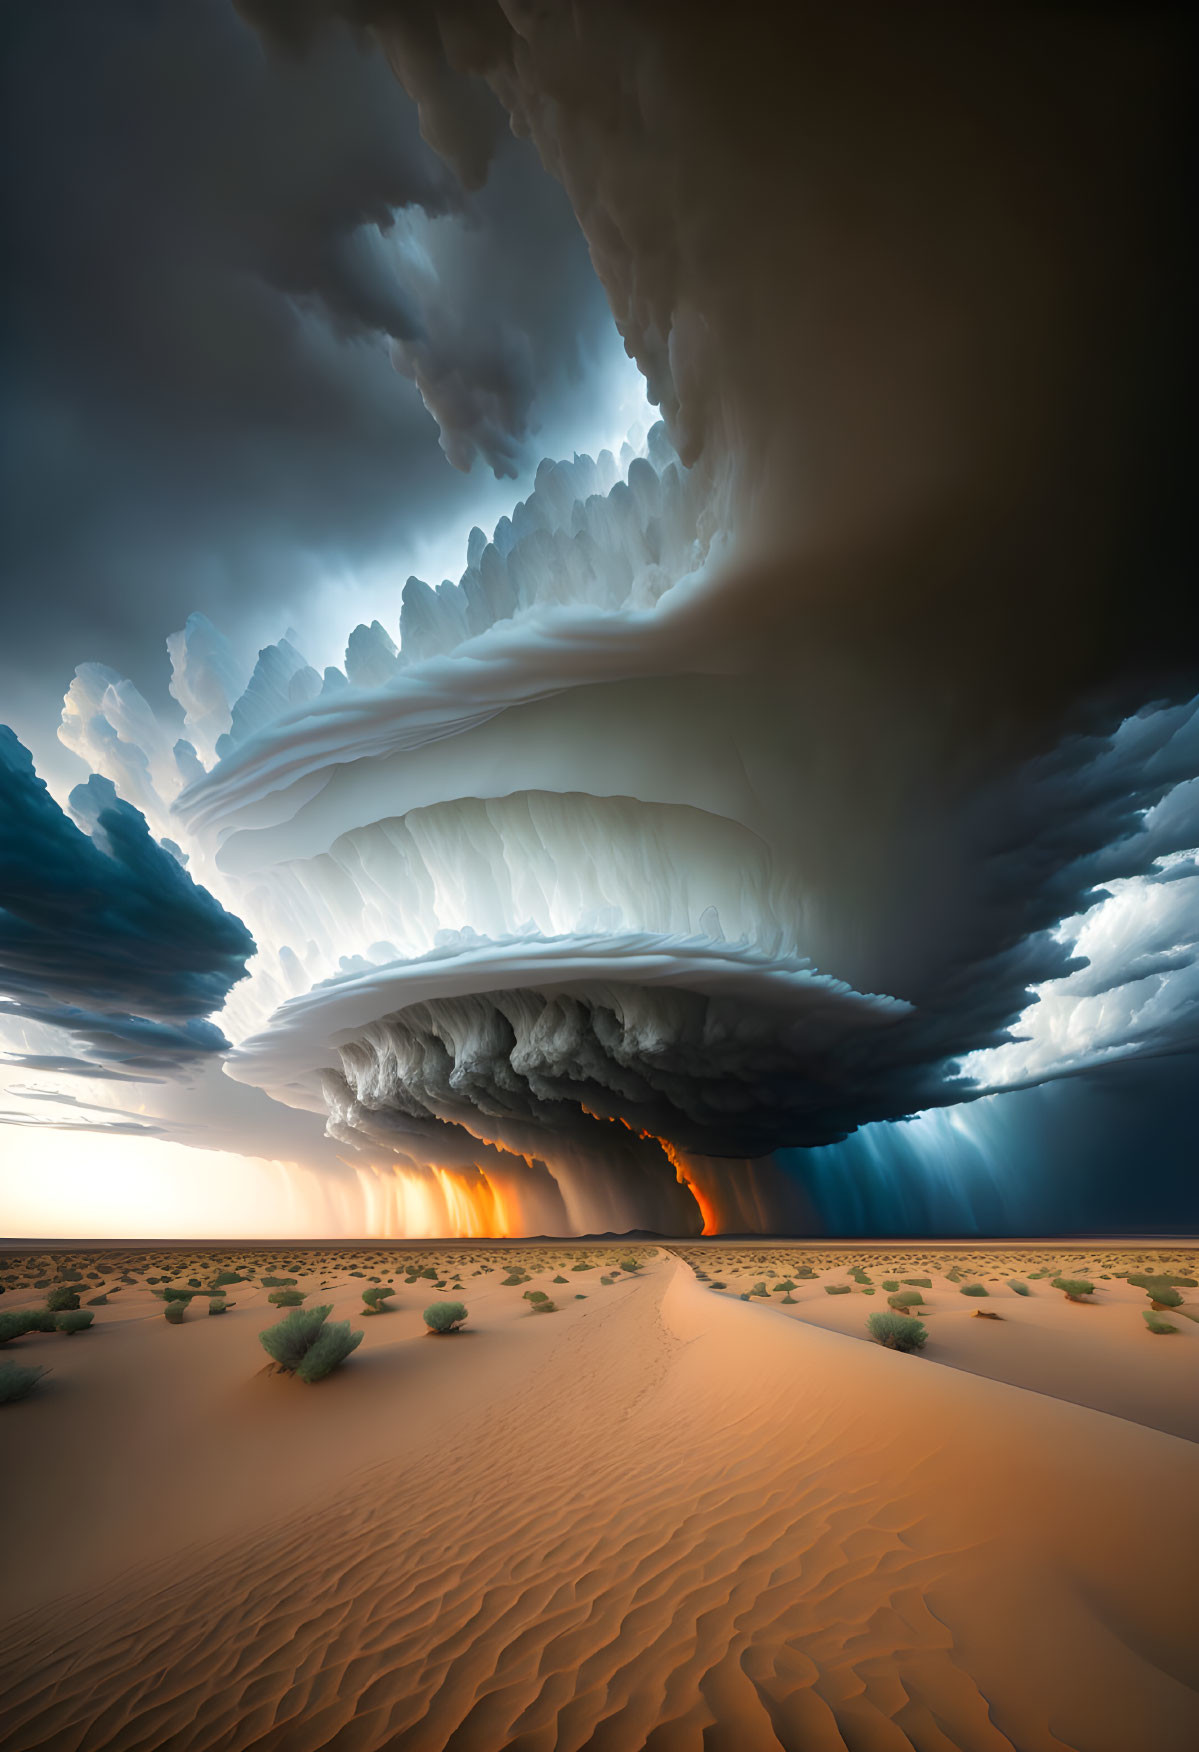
point(200, 411)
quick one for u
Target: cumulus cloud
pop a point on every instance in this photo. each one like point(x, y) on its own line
point(104, 934)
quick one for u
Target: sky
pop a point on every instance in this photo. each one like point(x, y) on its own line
point(599, 622)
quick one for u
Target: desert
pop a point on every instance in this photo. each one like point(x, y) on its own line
point(662, 1514)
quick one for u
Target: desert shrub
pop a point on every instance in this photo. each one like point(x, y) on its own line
point(891, 1285)
point(376, 1300)
point(1020, 1288)
point(512, 1278)
point(100, 1301)
point(975, 1290)
point(714, 1285)
point(41, 1320)
point(837, 1289)
point(582, 1266)
point(286, 1299)
point(545, 1306)
point(15, 1325)
point(287, 1283)
point(785, 1287)
point(61, 1300)
point(217, 1304)
point(174, 1312)
point(289, 1341)
point(897, 1331)
point(193, 1283)
point(332, 1346)
point(428, 1272)
point(630, 1265)
point(919, 1283)
point(228, 1277)
point(540, 1295)
point(171, 1295)
point(74, 1320)
point(905, 1299)
point(787, 1299)
point(559, 1280)
point(1164, 1296)
point(17, 1381)
point(445, 1316)
point(1155, 1323)
point(1074, 1288)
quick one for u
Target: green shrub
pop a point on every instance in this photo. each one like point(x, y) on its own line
point(891, 1285)
point(714, 1285)
point(17, 1381)
point(1164, 1296)
point(1155, 1323)
point(292, 1338)
point(788, 1299)
point(74, 1320)
point(897, 1331)
point(228, 1277)
point(837, 1289)
point(376, 1300)
point(193, 1283)
point(16, 1325)
point(286, 1299)
point(287, 1283)
point(559, 1280)
point(62, 1300)
point(919, 1283)
point(445, 1316)
point(905, 1299)
point(975, 1290)
point(1074, 1288)
point(540, 1295)
point(513, 1277)
point(630, 1265)
point(1021, 1289)
point(174, 1312)
point(217, 1304)
point(582, 1266)
point(785, 1287)
point(170, 1295)
point(544, 1306)
point(332, 1346)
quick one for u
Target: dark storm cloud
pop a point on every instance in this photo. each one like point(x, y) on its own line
point(926, 275)
point(106, 935)
point(202, 405)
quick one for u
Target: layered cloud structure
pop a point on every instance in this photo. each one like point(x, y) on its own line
point(798, 769)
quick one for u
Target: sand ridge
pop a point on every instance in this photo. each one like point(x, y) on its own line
point(677, 1521)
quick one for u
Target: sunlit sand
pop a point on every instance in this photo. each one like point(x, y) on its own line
point(658, 1514)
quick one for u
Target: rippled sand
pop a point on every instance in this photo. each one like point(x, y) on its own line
point(661, 1517)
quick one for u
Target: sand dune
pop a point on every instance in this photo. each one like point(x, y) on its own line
point(664, 1520)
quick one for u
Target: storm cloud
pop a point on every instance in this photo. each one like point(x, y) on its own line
point(233, 276)
point(104, 934)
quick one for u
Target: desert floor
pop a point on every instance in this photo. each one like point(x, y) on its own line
point(665, 1515)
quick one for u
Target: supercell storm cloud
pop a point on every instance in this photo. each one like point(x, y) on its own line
point(824, 755)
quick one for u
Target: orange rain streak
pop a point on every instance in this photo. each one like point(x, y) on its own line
point(678, 1162)
point(476, 1211)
